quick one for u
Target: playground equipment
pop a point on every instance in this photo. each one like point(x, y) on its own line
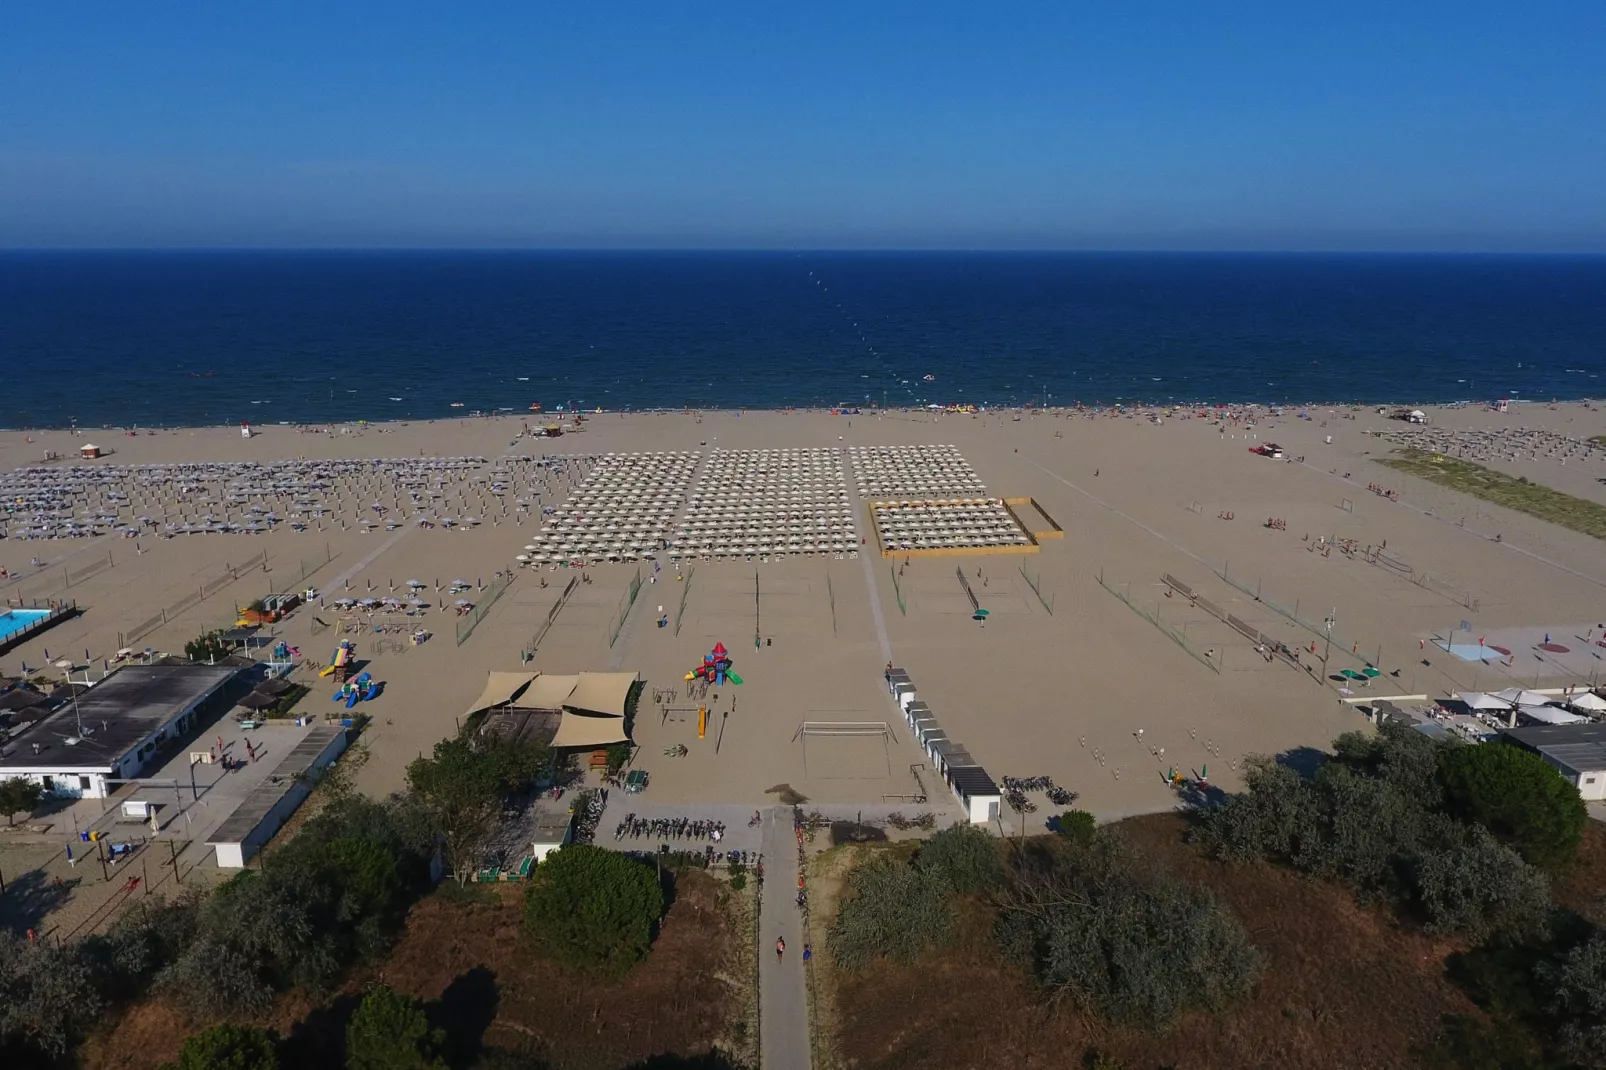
point(345, 654)
point(716, 668)
point(364, 688)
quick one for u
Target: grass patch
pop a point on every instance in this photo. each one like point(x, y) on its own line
point(1599, 440)
point(1513, 492)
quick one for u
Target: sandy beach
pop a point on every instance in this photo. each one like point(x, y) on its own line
point(1068, 675)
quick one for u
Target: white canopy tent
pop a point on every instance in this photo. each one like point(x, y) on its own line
point(1587, 701)
point(1478, 700)
point(1550, 715)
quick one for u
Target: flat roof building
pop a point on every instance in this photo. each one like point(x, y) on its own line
point(113, 731)
point(263, 812)
point(1578, 752)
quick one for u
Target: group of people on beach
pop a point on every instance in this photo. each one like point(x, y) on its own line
point(1382, 491)
point(1276, 523)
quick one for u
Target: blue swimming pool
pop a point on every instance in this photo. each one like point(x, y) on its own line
point(13, 621)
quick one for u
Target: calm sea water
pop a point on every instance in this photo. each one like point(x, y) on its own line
point(182, 338)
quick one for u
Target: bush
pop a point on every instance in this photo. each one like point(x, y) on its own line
point(593, 909)
point(1517, 796)
point(1274, 818)
point(390, 1032)
point(1381, 816)
point(1140, 950)
point(896, 911)
point(964, 858)
point(229, 1047)
point(1578, 980)
point(1077, 826)
point(1476, 887)
point(142, 943)
point(47, 995)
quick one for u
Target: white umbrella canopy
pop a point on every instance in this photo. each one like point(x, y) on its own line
point(1588, 701)
point(1519, 697)
point(1550, 715)
point(1477, 700)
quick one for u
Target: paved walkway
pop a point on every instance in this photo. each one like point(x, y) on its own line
point(783, 1028)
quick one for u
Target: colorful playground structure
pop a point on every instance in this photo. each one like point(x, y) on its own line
point(345, 654)
point(362, 688)
point(716, 668)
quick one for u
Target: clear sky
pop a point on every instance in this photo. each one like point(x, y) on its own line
point(1408, 124)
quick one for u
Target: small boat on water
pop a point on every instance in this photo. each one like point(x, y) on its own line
point(457, 404)
point(928, 378)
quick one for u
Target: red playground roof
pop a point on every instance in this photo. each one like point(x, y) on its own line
point(719, 650)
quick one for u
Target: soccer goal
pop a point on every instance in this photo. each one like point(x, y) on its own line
point(805, 729)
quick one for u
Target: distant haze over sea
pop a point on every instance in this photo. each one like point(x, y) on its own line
point(219, 337)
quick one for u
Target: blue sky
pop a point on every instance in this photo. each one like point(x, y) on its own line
point(1404, 126)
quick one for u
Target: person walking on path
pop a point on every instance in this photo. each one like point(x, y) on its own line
point(780, 948)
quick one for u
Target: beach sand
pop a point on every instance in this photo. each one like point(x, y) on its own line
point(1028, 692)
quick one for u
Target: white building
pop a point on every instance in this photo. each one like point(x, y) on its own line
point(116, 730)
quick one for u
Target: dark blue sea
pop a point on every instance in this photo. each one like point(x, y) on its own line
point(218, 337)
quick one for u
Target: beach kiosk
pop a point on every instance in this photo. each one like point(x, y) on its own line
point(88, 451)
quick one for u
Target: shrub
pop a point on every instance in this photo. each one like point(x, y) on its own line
point(390, 1032)
point(1578, 980)
point(1476, 887)
point(1276, 816)
point(896, 910)
point(591, 908)
point(255, 934)
point(1139, 950)
point(1517, 796)
point(143, 942)
point(1077, 826)
point(47, 995)
point(229, 1047)
point(964, 858)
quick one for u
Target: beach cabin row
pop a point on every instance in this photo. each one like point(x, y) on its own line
point(964, 775)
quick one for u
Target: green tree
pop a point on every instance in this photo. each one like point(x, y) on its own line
point(390, 1032)
point(229, 1047)
point(1517, 796)
point(593, 909)
point(18, 795)
point(462, 785)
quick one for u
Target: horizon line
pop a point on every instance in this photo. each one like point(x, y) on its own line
point(805, 250)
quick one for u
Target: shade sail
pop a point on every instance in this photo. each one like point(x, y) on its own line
point(602, 693)
point(1587, 700)
point(549, 692)
point(1477, 700)
point(581, 730)
point(500, 689)
point(1520, 697)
